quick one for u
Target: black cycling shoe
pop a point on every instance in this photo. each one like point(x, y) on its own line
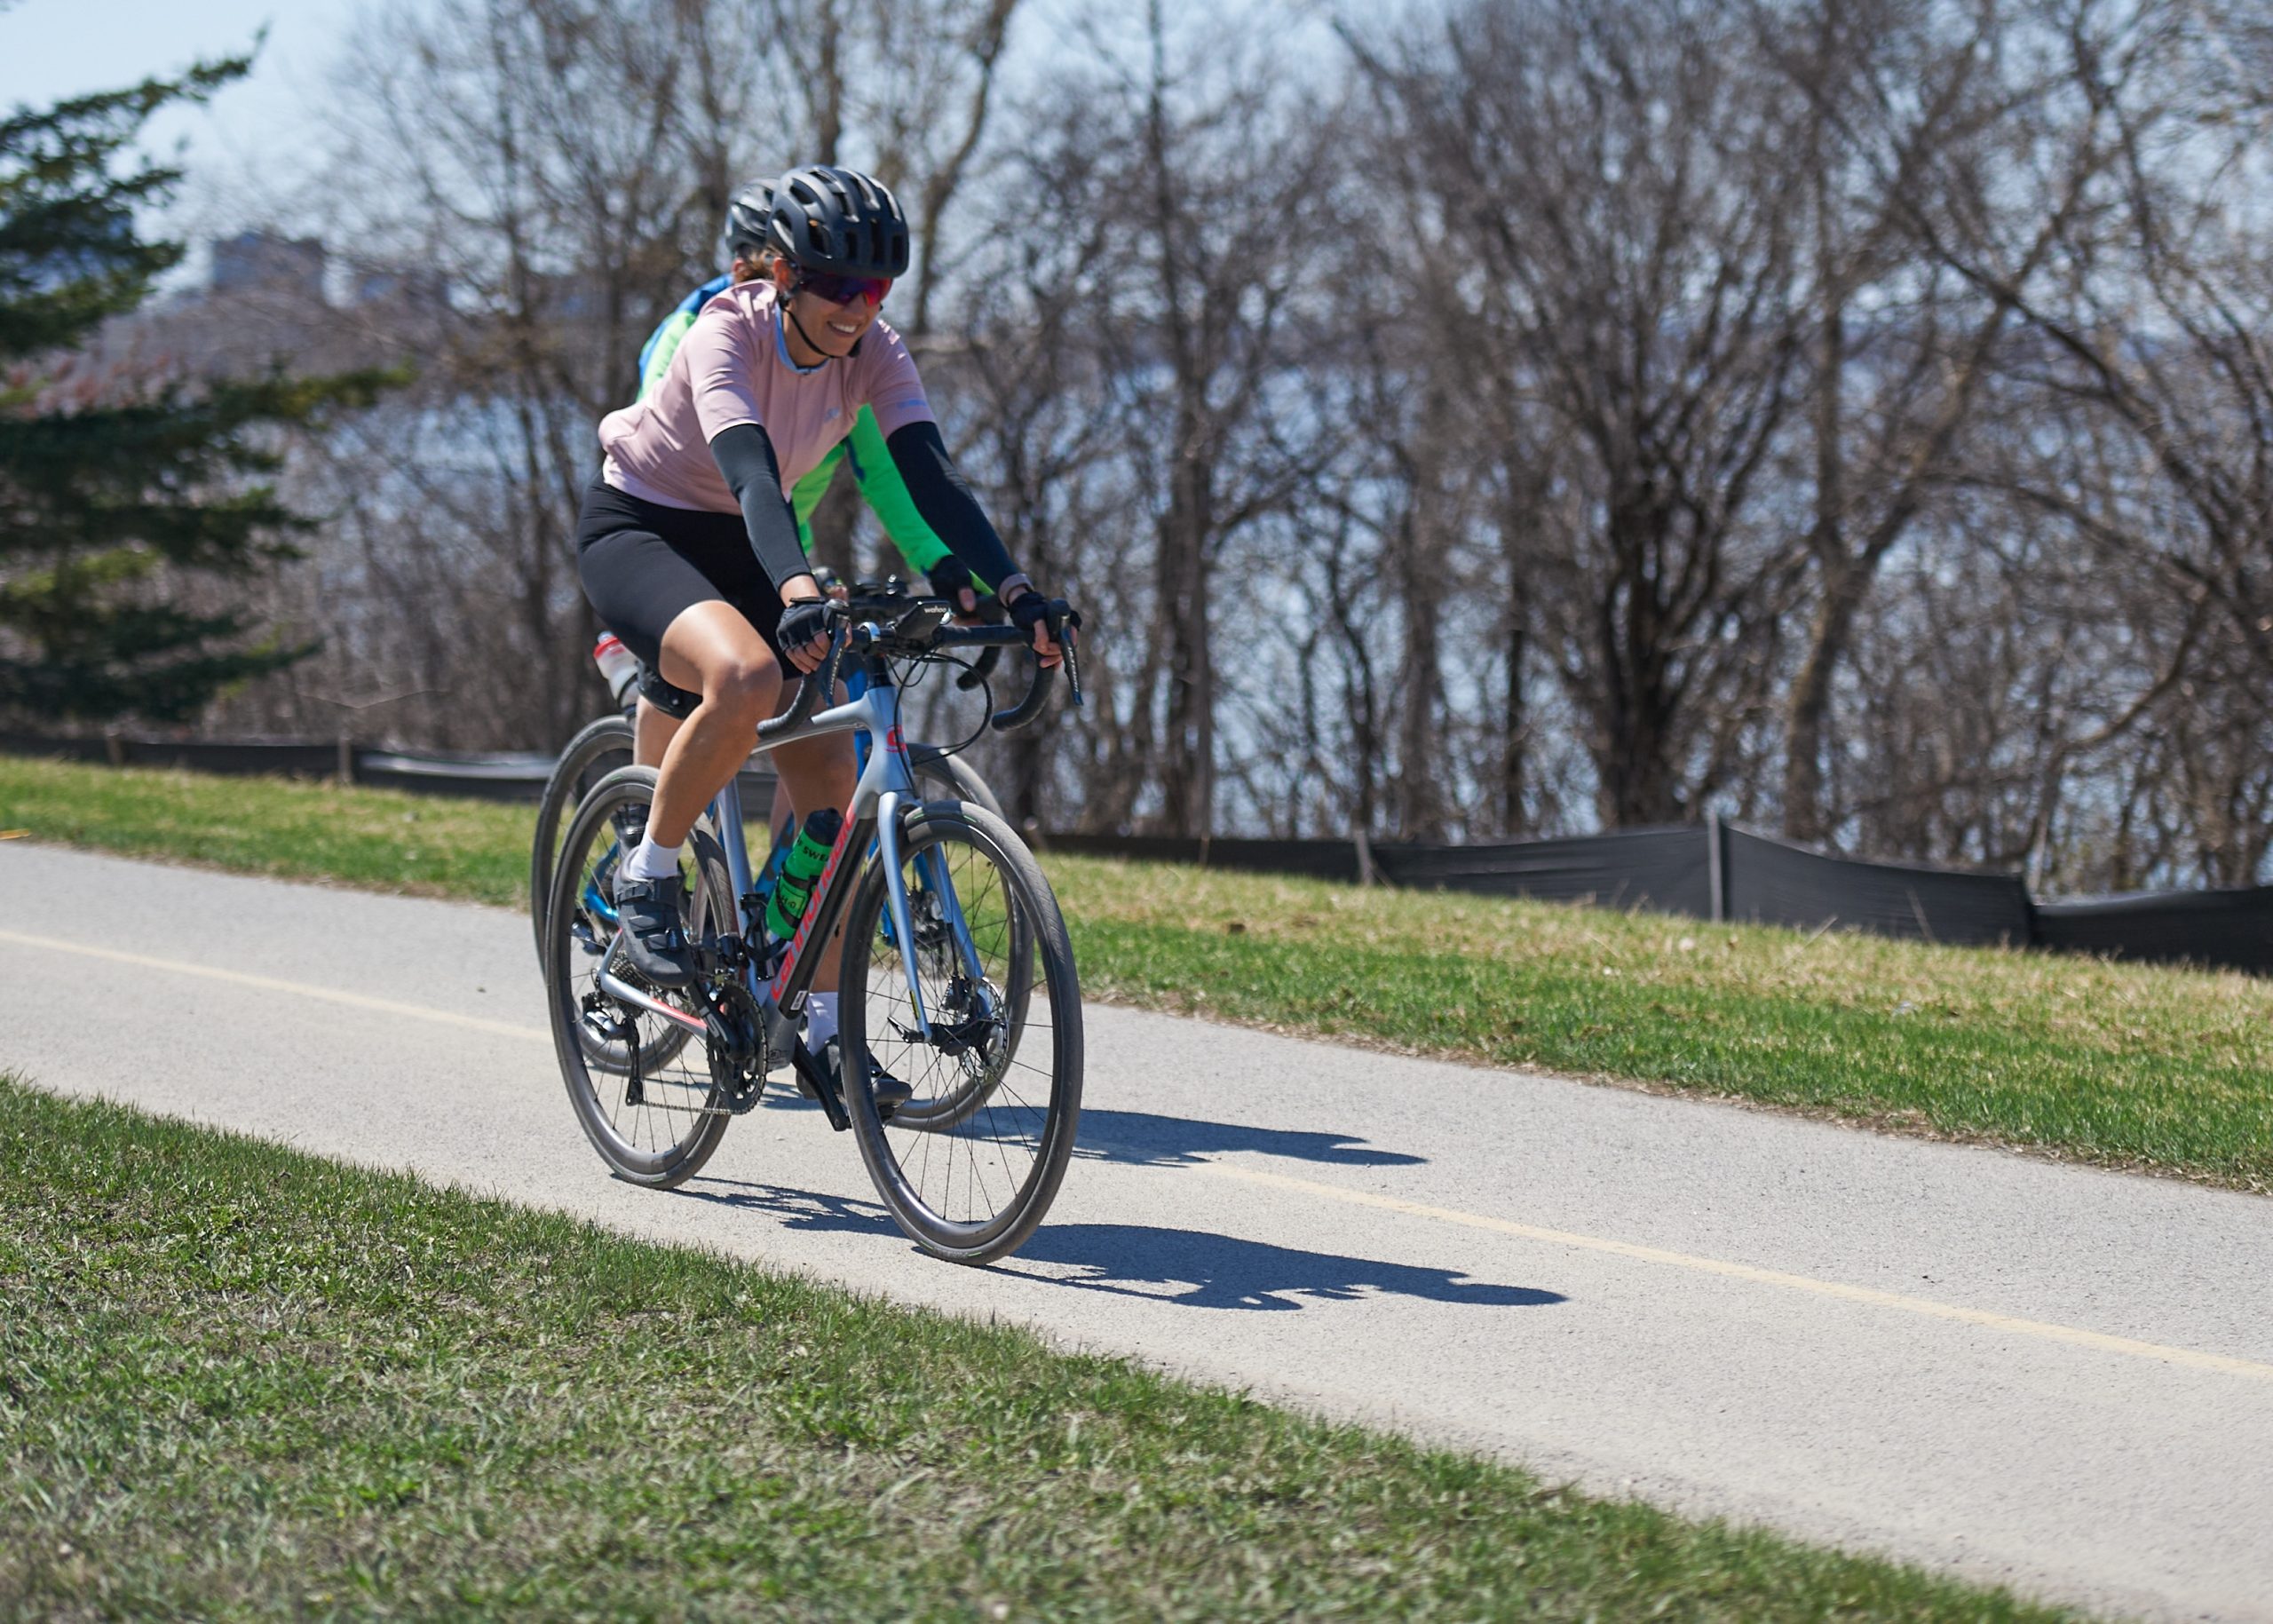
point(655, 930)
point(826, 1069)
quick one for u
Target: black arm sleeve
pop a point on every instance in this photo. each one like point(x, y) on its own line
point(745, 457)
point(946, 501)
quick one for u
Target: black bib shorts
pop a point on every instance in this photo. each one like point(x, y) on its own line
point(644, 565)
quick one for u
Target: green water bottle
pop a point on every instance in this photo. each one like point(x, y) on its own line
point(793, 891)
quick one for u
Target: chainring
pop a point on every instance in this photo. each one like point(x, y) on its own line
point(739, 1073)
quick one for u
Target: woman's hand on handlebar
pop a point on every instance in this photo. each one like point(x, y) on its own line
point(805, 630)
point(1030, 613)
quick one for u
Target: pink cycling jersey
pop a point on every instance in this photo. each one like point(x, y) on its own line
point(733, 368)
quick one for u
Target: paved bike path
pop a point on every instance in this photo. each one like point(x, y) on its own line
point(2028, 1374)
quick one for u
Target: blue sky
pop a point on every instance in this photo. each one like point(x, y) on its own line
point(234, 149)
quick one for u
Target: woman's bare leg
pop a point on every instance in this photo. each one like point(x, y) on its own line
point(651, 731)
point(712, 650)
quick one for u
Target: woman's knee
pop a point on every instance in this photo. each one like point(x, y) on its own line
point(744, 686)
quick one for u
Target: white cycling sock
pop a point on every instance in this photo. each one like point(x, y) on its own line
point(650, 861)
point(820, 1020)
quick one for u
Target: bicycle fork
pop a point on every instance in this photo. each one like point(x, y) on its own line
point(939, 886)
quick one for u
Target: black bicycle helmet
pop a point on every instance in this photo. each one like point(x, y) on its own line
point(839, 220)
point(747, 218)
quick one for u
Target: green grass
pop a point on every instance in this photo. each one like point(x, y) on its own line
point(2162, 1069)
point(385, 839)
point(238, 1381)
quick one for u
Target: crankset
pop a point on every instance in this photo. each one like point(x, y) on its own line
point(735, 1030)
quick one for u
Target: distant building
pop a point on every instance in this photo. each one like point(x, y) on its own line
point(413, 289)
point(264, 261)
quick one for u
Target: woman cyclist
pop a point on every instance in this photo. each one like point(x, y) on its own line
point(688, 549)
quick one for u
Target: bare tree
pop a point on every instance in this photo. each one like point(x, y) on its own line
point(1206, 178)
point(1922, 124)
point(1609, 178)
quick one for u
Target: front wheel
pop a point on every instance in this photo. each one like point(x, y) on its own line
point(969, 1184)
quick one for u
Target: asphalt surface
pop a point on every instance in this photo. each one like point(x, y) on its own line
point(2045, 1376)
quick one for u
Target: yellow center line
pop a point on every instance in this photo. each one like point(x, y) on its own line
point(270, 984)
point(2071, 1335)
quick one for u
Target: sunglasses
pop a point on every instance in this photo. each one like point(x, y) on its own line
point(832, 288)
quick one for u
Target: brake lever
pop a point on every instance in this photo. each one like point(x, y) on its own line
point(1063, 628)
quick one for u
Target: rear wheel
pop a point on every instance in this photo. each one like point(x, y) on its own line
point(643, 1087)
point(969, 1166)
point(597, 750)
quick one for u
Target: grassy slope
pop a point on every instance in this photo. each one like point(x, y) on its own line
point(2130, 1066)
point(240, 1382)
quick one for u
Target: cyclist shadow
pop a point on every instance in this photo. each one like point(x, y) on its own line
point(1142, 1139)
point(1138, 1139)
point(1193, 1269)
point(1186, 1268)
point(806, 1210)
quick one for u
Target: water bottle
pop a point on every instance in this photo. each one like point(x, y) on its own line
point(619, 666)
point(801, 869)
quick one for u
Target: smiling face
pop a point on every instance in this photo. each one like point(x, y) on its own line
point(830, 329)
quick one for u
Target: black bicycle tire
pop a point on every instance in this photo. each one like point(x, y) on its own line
point(1006, 1231)
point(686, 1159)
point(594, 740)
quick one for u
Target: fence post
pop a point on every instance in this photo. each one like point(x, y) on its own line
point(1717, 868)
point(346, 768)
point(1367, 875)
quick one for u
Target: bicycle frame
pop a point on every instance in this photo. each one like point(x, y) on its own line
point(886, 786)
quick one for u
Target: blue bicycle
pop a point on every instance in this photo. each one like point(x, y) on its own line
point(956, 972)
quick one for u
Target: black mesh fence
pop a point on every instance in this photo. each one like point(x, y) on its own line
point(1666, 870)
point(517, 776)
point(282, 757)
point(2229, 928)
point(1768, 881)
point(1714, 870)
point(1324, 860)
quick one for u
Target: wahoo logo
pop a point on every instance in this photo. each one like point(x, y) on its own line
point(812, 908)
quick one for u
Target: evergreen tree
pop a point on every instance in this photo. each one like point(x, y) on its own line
point(116, 493)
